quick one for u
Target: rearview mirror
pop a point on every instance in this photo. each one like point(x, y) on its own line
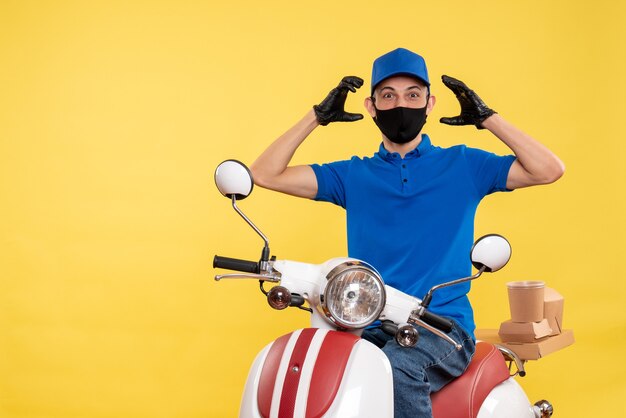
point(233, 178)
point(490, 253)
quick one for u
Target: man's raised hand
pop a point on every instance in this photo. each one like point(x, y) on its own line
point(473, 110)
point(331, 109)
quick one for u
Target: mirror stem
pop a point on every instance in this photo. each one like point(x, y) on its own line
point(429, 295)
point(266, 250)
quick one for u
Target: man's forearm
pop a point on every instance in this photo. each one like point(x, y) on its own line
point(275, 159)
point(271, 170)
point(539, 164)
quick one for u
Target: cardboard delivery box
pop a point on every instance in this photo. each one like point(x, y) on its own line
point(524, 332)
point(553, 310)
point(530, 351)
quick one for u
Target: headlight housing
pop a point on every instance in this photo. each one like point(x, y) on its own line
point(354, 295)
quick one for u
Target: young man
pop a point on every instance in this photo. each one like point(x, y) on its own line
point(410, 207)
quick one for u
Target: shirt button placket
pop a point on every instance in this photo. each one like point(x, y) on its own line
point(404, 175)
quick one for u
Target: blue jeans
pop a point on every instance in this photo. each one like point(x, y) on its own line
point(423, 369)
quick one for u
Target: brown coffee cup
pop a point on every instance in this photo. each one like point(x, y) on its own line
point(526, 300)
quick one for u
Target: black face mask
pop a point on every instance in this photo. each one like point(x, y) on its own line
point(400, 124)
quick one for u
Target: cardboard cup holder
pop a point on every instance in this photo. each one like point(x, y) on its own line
point(526, 300)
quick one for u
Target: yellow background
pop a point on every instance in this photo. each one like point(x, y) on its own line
point(114, 114)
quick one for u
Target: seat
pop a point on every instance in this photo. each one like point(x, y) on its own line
point(463, 397)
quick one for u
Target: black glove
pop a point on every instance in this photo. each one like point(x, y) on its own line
point(473, 110)
point(331, 108)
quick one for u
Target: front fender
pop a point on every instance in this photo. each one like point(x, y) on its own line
point(319, 373)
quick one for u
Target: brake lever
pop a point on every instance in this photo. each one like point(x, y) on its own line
point(266, 277)
point(419, 322)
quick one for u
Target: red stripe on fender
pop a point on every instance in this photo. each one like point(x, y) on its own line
point(294, 370)
point(268, 375)
point(328, 372)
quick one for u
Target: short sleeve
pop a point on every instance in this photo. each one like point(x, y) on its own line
point(331, 182)
point(488, 171)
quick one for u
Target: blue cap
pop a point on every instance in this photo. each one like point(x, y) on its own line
point(399, 62)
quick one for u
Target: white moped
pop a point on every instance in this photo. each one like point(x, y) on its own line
point(328, 370)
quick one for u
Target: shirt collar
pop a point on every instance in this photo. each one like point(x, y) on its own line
point(422, 149)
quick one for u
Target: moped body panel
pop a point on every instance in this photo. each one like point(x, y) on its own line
point(507, 400)
point(313, 373)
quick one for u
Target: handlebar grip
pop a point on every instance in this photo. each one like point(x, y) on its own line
point(389, 327)
point(236, 264)
point(437, 321)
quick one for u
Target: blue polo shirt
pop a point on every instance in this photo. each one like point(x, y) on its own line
point(412, 218)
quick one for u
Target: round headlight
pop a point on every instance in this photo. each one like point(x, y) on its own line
point(354, 295)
